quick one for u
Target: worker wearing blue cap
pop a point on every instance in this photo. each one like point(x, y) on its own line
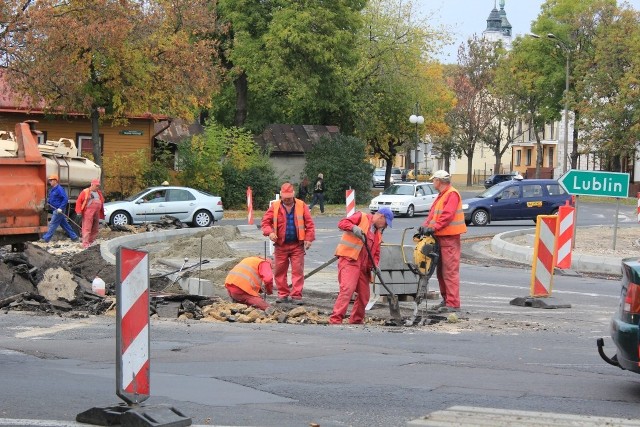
point(354, 264)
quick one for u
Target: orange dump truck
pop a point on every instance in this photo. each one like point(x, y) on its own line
point(23, 186)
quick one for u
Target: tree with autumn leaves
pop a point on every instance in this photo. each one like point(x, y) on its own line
point(111, 59)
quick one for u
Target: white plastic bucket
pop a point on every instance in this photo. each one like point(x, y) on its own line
point(98, 286)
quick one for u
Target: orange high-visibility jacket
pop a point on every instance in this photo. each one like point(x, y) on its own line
point(245, 275)
point(303, 222)
point(350, 245)
point(83, 198)
point(457, 225)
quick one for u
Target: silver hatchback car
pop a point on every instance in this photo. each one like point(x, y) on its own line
point(189, 205)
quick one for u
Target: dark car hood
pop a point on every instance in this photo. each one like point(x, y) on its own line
point(473, 200)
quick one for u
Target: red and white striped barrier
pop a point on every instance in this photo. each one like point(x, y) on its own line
point(638, 207)
point(544, 256)
point(565, 236)
point(249, 206)
point(132, 325)
point(351, 202)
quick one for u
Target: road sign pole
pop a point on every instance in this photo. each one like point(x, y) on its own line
point(615, 226)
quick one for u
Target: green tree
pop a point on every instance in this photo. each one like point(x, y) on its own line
point(343, 162)
point(287, 60)
point(393, 74)
point(609, 104)
point(110, 59)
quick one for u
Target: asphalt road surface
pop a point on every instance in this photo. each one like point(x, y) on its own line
point(498, 356)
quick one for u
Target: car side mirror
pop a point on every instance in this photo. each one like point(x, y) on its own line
point(139, 201)
point(498, 198)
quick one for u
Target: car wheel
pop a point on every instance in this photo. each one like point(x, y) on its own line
point(554, 212)
point(467, 222)
point(202, 218)
point(480, 217)
point(410, 211)
point(120, 218)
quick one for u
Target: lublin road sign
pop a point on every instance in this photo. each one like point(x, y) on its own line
point(595, 183)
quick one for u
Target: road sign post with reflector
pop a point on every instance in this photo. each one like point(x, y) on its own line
point(133, 366)
point(564, 232)
point(351, 202)
point(542, 268)
point(249, 206)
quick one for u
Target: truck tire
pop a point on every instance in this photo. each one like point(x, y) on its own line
point(202, 218)
point(120, 218)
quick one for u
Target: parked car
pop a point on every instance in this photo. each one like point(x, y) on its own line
point(189, 205)
point(377, 180)
point(405, 198)
point(517, 199)
point(404, 174)
point(625, 322)
point(396, 174)
point(423, 175)
point(497, 179)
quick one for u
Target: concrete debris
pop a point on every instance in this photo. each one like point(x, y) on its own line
point(235, 312)
point(58, 284)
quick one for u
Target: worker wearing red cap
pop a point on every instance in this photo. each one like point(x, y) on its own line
point(244, 281)
point(289, 225)
point(90, 205)
point(57, 201)
point(354, 263)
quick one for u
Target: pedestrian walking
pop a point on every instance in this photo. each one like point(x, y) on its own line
point(318, 193)
point(354, 263)
point(248, 279)
point(303, 189)
point(446, 222)
point(289, 225)
point(58, 203)
point(90, 205)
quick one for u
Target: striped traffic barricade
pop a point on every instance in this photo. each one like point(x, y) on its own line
point(542, 268)
point(351, 202)
point(565, 233)
point(249, 206)
point(133, 367)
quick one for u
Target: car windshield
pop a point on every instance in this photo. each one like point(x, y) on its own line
point(378, 172)
point(399, 190)
point(135, 196)
point(492, 191)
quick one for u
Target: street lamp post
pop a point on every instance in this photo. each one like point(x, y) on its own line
point(566, 100)
point(567, 52)
point(416, 119)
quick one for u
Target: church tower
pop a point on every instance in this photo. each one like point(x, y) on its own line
point(498, 26)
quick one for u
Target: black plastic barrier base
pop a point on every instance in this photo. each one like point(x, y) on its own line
point(134, 416)
point(538, 302)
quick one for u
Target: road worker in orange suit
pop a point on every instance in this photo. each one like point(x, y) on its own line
point(446, 222)
point(354, 263)
point(90, 205)
point(289, 225)
point(244, 282)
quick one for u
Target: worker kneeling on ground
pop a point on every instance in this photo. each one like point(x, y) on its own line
point(354, 263)
point(244, 281)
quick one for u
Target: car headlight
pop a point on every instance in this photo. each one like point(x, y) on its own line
point(465, 206)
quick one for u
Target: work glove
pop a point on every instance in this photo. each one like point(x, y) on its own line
point(426, 231)
point(59, 210)
point(359, 233)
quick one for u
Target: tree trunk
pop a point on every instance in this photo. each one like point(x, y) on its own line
point(469, 171)
point(539, 157)
point(575, 154)
point(242, 89)
point(95, 138)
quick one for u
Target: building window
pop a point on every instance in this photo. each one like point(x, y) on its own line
point(550, 155)
point(518, 157)
point(519, 127)
point(528, 159)
point(85, 144)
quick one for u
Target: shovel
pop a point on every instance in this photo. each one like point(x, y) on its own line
point(394, 306)
point(326, 264)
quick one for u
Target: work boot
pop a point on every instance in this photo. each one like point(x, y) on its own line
point(297, 301)
point(283, 300)
point(447, 309)
point(437, 306)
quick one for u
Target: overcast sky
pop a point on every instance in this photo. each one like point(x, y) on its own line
point(467, 17)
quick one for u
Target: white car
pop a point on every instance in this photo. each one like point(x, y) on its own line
point(406, 198)
point(187, 204)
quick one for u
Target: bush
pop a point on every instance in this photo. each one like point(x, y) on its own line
point(344, 165)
